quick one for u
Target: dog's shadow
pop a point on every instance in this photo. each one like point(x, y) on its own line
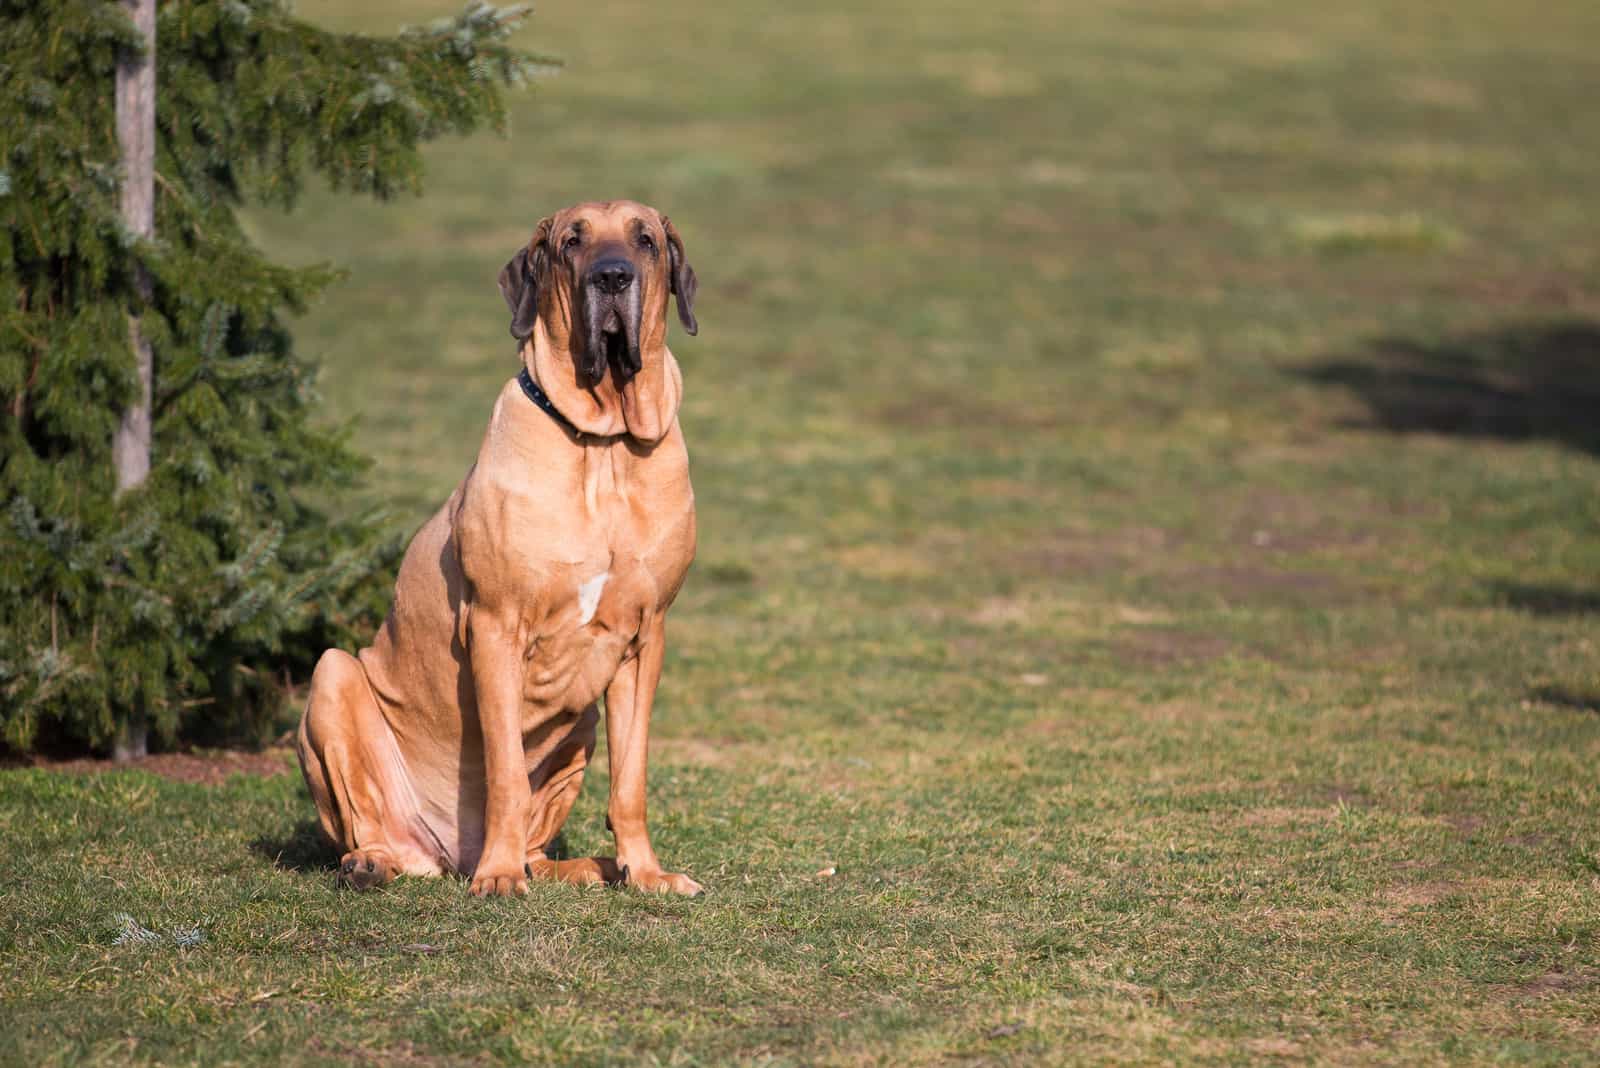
point(304, 849)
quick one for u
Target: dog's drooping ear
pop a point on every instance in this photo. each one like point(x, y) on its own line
point(522, 278)
point(521, 293)
point(684, 282)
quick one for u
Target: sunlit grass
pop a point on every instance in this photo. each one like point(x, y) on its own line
point(1150, 550)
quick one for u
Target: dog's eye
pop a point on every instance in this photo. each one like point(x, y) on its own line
point(572, 242)
point(646, 241)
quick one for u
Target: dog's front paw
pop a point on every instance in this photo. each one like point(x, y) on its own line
point(499, 881)
point(662, 882)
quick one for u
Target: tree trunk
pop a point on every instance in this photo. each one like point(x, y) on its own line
point(136, 138)
point(132, 741)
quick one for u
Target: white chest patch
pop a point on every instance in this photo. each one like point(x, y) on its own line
point(589, 596)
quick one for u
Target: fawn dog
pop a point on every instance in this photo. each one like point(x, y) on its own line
point(457, 741)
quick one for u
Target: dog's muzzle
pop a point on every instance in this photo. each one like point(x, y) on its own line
point(612, 312)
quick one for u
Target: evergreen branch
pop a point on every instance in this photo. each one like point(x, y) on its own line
point(159, 598)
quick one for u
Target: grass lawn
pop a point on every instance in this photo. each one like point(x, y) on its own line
point(1148, 460)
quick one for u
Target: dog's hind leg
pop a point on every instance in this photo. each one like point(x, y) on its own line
point(358, 780)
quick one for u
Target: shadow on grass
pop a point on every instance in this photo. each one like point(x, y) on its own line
point(1560, 696)
point(303, 850)
point(1548, 600)
point(1516, 382)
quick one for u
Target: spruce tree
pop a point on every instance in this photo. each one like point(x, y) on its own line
point(184, 602)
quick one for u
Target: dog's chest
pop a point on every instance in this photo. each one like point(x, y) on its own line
point(595, 613)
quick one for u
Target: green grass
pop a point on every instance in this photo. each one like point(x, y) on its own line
point(1148, 460)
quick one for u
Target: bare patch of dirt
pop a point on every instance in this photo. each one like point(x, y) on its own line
point(1556, 291)
point(940, 409)
point(1142, 617)
point(888, 561)
point(1249, 582)
point(1053, 559)
point(1069, 553)
point(1273, 816)
point(1338, 793)
point(1183, 710)
point(967, 647)
point(1556, 983)
point(1440, 92)
point(1003, 489)
point(1274, 1047)
point(210, 767)
point(1419, 895)
point(1053, 726)
point(1272, 521)
point(1000, 611)
point(393, 1052)
point(1153, 646)
point(701, 752)
point(1244, 575)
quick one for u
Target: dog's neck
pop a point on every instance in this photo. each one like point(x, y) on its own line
point(644, 408)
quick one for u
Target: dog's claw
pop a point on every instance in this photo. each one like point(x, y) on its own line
point(622, 879)
point(362, 871)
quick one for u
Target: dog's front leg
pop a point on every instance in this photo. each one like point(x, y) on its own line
point(497, 681)
point(628, 702)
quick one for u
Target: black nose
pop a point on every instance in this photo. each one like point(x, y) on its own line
point(611, 276)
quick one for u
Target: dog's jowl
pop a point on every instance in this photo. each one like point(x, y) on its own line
point(457, 740)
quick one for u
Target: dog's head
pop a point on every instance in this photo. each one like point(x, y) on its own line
point(599, 275)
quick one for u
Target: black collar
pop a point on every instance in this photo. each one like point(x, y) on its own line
point(543, 403)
